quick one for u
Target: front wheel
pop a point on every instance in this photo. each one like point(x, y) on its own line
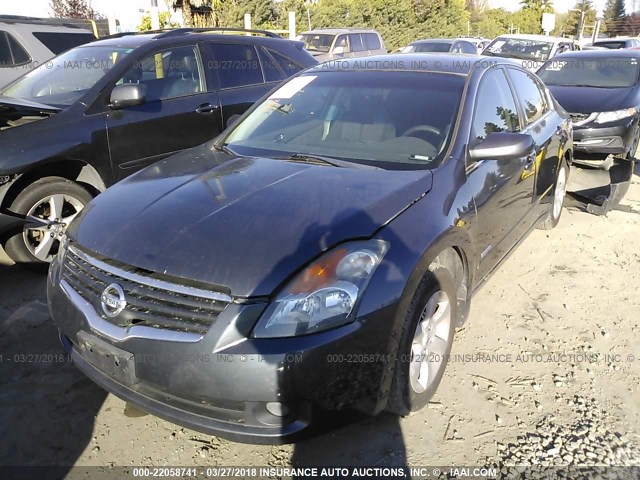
point(559, 192)
point(55, 199)
point(425, 343)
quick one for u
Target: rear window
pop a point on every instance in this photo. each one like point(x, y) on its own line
point(11, 52)
point(288, 66)
point(59, 42)
point(431, 47)
point(611, 45)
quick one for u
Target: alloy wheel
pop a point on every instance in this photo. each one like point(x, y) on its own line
point(430, 342)
point(558, 197)
point(60, 210)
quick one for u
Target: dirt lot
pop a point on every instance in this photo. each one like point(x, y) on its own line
point(559, 325)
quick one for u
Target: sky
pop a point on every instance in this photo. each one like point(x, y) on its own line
point(128, 11)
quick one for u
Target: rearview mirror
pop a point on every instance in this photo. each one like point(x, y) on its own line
point(503, 146)
point(127, 95)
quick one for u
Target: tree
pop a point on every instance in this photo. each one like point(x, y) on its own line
point(264, 13)
point(187, 7)
point(583, 14)
point(165, 22)
point(73, 9)
point(492, 23)
point(614, 17)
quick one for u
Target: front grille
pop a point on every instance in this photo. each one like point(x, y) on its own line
point(578, 117)
point(151, 302)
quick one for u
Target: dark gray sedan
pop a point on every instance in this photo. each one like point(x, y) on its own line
point(319, 254)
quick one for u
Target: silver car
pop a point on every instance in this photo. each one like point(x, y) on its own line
point(26, 43)
point(336, 43)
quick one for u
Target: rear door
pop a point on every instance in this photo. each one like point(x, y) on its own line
point(503, 188)
point(243, 73)
point(179, 111)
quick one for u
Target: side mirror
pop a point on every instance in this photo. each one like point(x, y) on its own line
point(127, 95)
point(503, 146)
point(339, 50)
point(233, 119)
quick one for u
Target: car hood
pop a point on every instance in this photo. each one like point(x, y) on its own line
point(246, 224)
point(18, 111)
point(590, 99)
point(23, 105)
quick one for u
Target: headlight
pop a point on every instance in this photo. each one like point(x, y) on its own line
point(325, 293)
point(608, 117)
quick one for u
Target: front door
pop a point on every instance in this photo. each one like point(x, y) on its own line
point(179, 112)
point(503, 188)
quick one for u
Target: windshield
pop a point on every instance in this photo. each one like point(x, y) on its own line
point(387, 119)
point(523, 49)
point(595, 72)
point(64, 79)
point(428, 47)
point(317, 42)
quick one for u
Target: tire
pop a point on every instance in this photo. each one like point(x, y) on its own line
point(45, 198)
point(555, 208)
point(410, 390)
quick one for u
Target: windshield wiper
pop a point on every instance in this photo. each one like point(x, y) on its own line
point(582, 85)
point(224, 148)
point(303, 157)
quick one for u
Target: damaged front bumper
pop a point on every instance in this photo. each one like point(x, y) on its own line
point(601, 186)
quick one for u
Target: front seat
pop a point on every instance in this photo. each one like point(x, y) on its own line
point(364, 121)
point(183, 77)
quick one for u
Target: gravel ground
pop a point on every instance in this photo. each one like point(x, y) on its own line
point(546, 372)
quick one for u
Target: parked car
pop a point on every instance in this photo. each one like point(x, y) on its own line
point(601, 90)
point(337, 43)
point(441, 45)
point(479, 42)
point(26, 43)
point(100, 112)
point(618, 43)
point(531, 50)
point(317, 255)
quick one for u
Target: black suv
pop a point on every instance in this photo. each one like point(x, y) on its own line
point(99, 112)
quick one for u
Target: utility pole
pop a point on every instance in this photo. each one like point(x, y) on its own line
point(596, 30)
point(155, 15)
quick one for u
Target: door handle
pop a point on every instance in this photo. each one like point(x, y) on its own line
point(206, 109)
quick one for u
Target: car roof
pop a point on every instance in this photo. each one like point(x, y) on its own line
point(606, 53)
point(336, 31)
point(10, 26)
point(614, 39)
point(441, 40)
point(456, 63)
point(135, 39)
point(542, 38)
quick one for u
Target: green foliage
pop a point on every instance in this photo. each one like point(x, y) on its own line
point(492, 23)
point(572, 26)
point(73, 9)
point(399, 21)
point(264, 13)
point(614, 17)
point(165, 22)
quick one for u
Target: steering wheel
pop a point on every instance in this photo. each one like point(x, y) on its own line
point(421, 128)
